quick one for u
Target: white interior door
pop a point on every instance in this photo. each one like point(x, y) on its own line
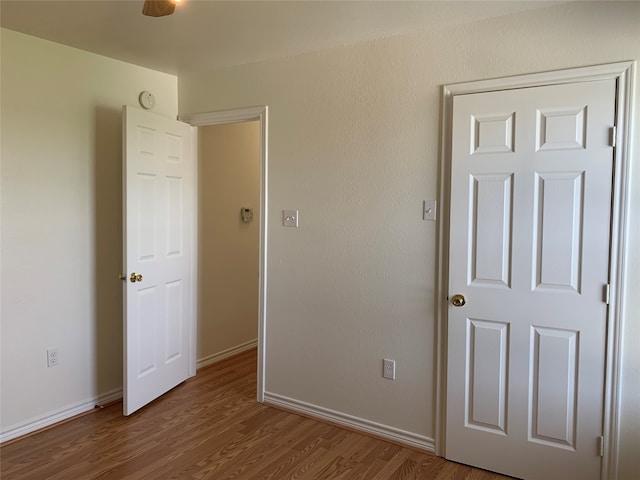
point(158, 225)
point(531, 184)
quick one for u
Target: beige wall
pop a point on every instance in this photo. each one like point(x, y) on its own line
point(229, 179)
point(61, 222)
point(354, 144)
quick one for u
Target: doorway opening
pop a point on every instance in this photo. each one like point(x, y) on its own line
point(258, 116)
point(228, 239)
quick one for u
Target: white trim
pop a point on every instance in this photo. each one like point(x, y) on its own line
point(619, 235)
point(243, 115)
point(348, 421)
point(624, 74)
point(56, 416)
point(226, 116)
point(193, 299)
point(229, 352)
point(556, 77)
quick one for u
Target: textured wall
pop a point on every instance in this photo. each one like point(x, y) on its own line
point(62, 221)
point(229, 179)
point(354, 144)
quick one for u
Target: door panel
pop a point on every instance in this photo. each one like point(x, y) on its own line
point(531, 180)
point(557, 214)
point(553, 386)
point(490, 241)
point(159, 182)
point(486, 378)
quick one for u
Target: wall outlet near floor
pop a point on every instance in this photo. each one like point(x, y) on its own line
point(389, 369)
point(52, 357)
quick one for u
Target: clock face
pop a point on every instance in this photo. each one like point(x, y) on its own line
point(147, 100)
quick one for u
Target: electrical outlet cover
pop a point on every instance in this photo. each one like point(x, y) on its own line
point(52, 357)
point(389, 369)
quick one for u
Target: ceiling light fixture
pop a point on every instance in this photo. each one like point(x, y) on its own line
point(159, 8)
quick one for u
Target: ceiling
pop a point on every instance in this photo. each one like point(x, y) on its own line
point(205, 34)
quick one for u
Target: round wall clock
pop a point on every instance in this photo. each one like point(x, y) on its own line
point(147, 100)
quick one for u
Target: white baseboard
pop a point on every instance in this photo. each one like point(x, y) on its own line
point(395, 434)
point(59, 415)
point(229, 352)
point(56, 416)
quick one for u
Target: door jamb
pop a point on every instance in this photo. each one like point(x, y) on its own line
point(234, 116)
point(624, 74)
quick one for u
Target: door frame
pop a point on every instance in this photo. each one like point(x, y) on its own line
point(624, 74)
point(216, 118)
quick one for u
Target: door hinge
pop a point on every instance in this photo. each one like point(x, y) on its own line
point(607, 293)
point(612, 140)
point(601, 446)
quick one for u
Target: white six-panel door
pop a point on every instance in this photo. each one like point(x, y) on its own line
point(158, 189)
point(531, 184)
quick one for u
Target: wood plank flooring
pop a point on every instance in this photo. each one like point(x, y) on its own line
point(211, 427)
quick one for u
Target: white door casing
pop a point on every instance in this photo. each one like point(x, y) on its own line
point(531, 181)
point(159, 176)
point(260, 114)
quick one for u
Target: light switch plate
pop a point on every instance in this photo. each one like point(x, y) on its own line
point(290, 218)
point(429, 209)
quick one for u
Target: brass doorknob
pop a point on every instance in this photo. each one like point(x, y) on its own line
point(135, 277)
point(458, 300)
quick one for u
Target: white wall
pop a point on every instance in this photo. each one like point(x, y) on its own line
point(354, 144)
point(61, 222)
point(229, 179)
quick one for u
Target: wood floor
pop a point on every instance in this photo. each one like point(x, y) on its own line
point(211, 427)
